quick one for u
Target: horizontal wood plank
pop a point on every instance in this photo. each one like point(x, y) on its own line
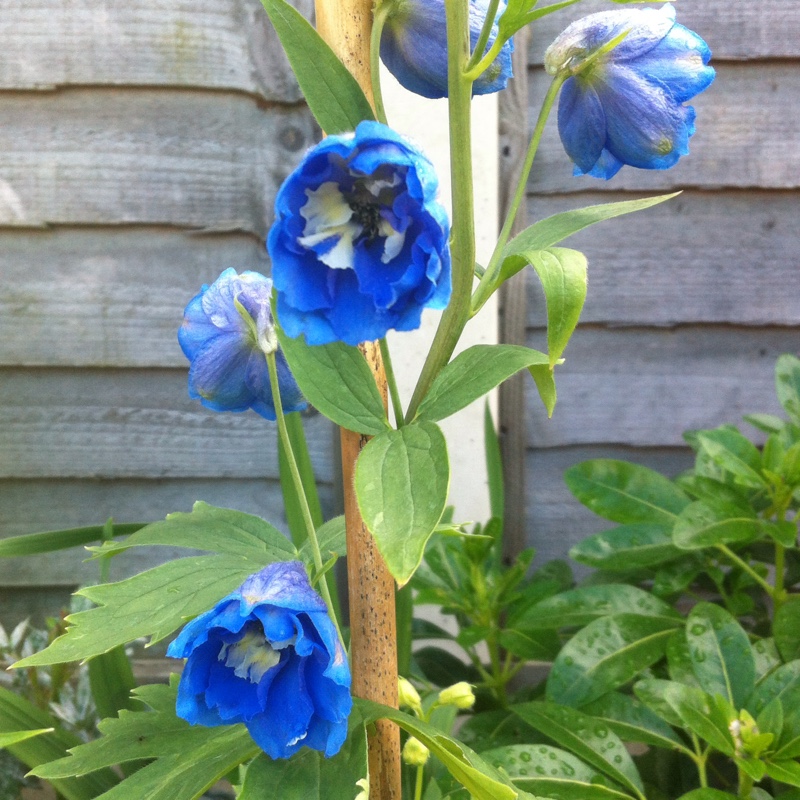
point(133, 423)
point(218, 44)
point(715, 257)
point(734, 29)
point(645, 387)
point(748, 135)
point(33, 506)
point(211, 161)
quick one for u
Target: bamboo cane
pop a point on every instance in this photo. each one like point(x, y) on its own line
point(345, 25)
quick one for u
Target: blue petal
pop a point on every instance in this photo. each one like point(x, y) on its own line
point(581, 123)
point(283, 584)
point(217, 374)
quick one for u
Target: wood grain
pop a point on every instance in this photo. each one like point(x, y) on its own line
point(748, 136)
point(193, 43)
point(167, 157)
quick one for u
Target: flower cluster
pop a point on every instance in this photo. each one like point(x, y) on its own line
point(360, 242)
point(269, 656)
point(226, 333)
point(625, 106)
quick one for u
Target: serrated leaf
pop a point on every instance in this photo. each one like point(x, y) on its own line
point(153, 603)
point(627, 547)
point(336, 100)
point(606, 654)
point(625, 492)
point(402, 479)
point(473, 373)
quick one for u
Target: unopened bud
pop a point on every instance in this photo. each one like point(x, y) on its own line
point(415, 754)
point(459, 695)
point(408, 696)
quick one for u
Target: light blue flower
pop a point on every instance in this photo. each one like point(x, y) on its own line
point(226, 332)
point(414, 47)
point(360, 242)
point(269, 656)
point(626, 106)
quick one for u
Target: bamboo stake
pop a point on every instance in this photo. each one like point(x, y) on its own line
point(345, 25)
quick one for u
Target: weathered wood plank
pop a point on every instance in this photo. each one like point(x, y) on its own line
point(133, 423)
point(748, 135)
point(115, 296)
point(32, 506)
point(717, 257)
point(645, 387)
point(211, 161)
point(555, 519)
point(203, 43)
point(735, 29)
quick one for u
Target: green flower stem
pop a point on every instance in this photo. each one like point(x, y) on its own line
point(397, 405)
point(380, 14)
point(699, 756)
point(474, 72)
point(486, 32)
point(747, 568)
point(462, 237)
point(488, 282)
point(418, 785)
point(298, 485)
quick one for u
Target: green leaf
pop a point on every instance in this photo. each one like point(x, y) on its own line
point(309, 775)
point(402, 479)
point(494, 466)
point(787, 385)
point(551, 772)
point(706, 793)
point(332, 538)
point(587, 603)
point(34, 543)
point(443, 668)
point(332, 93)
point(788, 746)
point(786, 629)
point(768, 423)
point(679, 660)
point(607, 653)
point(552, 230)
point(467, 767)
point(688, 707)
point(519, 14)
point(545, 385)
point(775, 686)
point(721, 655)
point(111, 680)
point(153, 603)
point(700, 526)
point(217, 530)
point(590, 740)
point(784, 771)
point(765, 656)
point(632, 721)
point(625, 492)
point(336, 379)
point(473, 373)
point(15, 737)
point(18, 714)
point(189, 759)
point(734, 453)
point(536, 645)
point(627, 547)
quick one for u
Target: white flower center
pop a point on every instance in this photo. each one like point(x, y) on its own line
point(252, 656)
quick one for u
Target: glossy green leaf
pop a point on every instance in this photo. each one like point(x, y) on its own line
point(592, 741)
point(734, 453)
point(473, 373)
point(707, 793)
point(700, 526)
point(721, 655)
point(788, 745)
point(779, 683)
point(587, 603)
point(402, 479)
point(606, 654)
point(551, 772)
point(336, 379)
point(443, 668)
point(766, 657)
point(679, 659)
point(787, 772)
point(625, 492)
point(627, 547)
point(546, 386)
point(486, 730)
point(332, 93)
point(535, 645)
point(632, 721)
point(153, 603)
point(34, 543)
point(217, 530)
point(787, 385)
point(562, 273)
point(308, 775)
point(482, 780)
point(786, 629)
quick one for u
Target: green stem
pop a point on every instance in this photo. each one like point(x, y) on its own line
point(747, 568)
point(378, 19)
point(474, 72)
point(745, 785)
point(397, 405)
point(418, 786)
point(700, 757)
point(780, 573)
point(298, 485)
point(488, 282)
point(462, 241)
point(486, 32)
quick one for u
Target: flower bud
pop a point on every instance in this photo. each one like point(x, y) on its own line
point(415, 754)
point(459, 695)
point(408, 696)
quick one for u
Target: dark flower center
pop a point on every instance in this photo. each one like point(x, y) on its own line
point(367, 215)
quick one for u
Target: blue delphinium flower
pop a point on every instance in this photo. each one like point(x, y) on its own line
point(269, 656)
point(414, 47)
point(360, 242)
point(226, 333)
point(626, 106)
